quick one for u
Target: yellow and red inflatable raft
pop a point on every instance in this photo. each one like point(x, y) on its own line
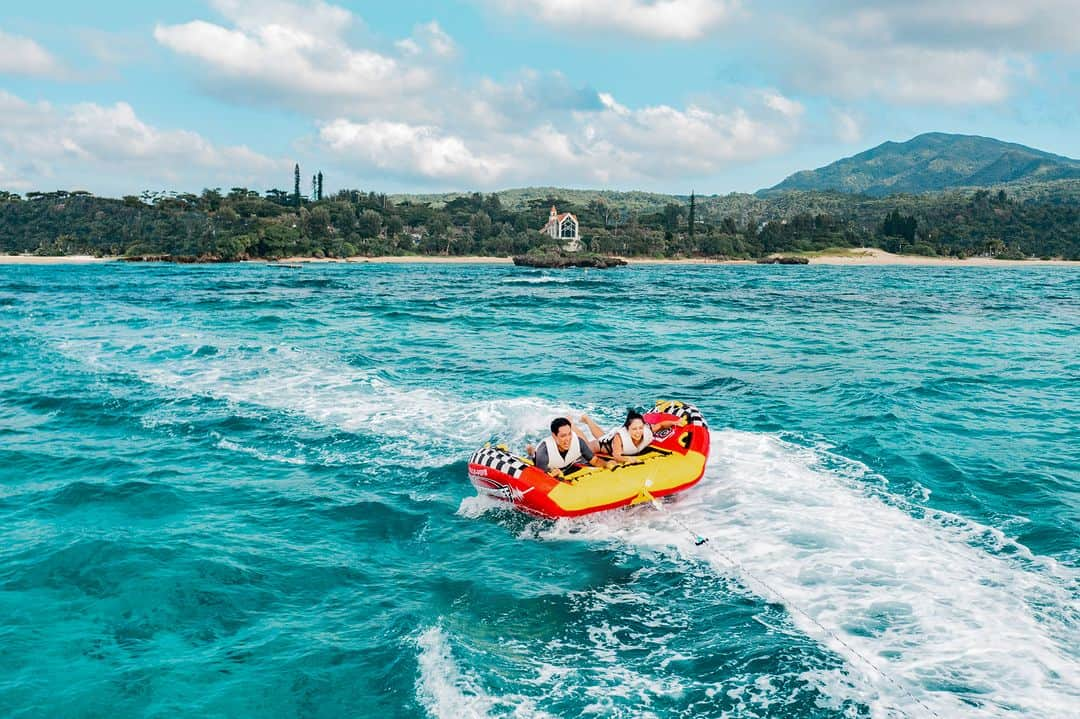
point(673, 462)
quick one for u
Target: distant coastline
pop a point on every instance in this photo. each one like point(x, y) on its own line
point(51, 260)
point(855, 257)
point(1018, 224)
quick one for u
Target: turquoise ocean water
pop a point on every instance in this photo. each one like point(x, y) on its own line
point(240, 491)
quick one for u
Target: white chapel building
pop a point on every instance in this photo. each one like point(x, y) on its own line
point(563, 227)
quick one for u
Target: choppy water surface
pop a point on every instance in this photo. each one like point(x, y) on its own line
point(240, 491)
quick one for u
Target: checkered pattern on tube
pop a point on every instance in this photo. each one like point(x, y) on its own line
point(683, 410)
point(498, 460)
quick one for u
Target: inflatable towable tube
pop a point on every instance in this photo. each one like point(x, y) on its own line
point(673, 462)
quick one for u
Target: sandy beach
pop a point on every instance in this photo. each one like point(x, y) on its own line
point(875, 256)
point(869, 256)
point(861, 256)
point(65, 260)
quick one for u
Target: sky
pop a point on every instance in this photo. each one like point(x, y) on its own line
point(714, 96)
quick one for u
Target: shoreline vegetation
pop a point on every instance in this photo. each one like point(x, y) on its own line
point(1021, 223)
point(849, 257)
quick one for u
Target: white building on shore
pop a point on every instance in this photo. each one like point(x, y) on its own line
point(563, 227)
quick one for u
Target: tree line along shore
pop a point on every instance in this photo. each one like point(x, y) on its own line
point(215, 225)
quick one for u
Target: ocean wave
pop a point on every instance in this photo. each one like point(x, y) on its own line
point(449, 691)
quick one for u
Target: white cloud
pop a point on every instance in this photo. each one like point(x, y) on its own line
point(847, 127)
point(116, 133)
point(992, 25)
point(785, 106)
point(295, 53)
point(923, 52)
point(435, 38)
point(23, 56)
point(666, 142)
point(12, 182)
point(611, 144)
point(902, 74)
point(17, 112)
point(660, 19)
point(613, 105)
point(317, 18)
point(108, 148)
point(393, 116)
point(428, 38)
point(407, 150)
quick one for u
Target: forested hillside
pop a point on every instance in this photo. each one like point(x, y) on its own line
point(1038, 219)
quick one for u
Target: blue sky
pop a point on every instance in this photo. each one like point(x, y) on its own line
point(666, 95)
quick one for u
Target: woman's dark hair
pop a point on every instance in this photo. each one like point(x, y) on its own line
point(558, 423)
point(631, 415)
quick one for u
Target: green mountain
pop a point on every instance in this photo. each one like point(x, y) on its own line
point(933, 162)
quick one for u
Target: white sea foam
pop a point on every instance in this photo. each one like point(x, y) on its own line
point(258, 454)
point(968, 632)
point(592, 673)
point(477, 505)
point(448, 691)
point(334, 394)
point(442, 687)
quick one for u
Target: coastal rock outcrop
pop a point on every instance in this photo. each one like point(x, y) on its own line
point(778, 260)
point(559, 259)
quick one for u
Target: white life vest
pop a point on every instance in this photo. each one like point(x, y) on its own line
point(556, 460)
point(629, 449)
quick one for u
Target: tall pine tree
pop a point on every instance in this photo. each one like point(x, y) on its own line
point(319, 193)
point(691, 214)
point(296, 184)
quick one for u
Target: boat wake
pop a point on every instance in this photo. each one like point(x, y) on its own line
point(960, 621)
point(424, 426)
